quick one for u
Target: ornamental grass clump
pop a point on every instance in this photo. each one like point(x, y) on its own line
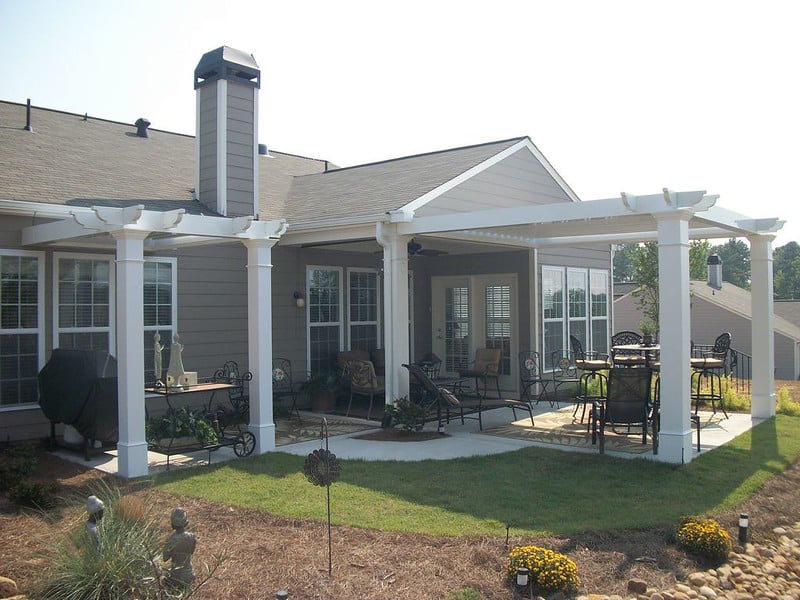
point(704, 538)
point(548, 571)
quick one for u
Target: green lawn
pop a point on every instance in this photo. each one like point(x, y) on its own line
point(534, 491)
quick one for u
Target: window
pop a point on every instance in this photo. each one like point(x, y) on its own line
point(160, 308)
point(84, 315)
point(21, 316)
point(83, 309)
point(324, 293)
point(585, 306)
point(364, 305)
point(497, 302)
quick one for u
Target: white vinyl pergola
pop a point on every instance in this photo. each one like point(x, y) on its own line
point(131, 230)
point(670, 218)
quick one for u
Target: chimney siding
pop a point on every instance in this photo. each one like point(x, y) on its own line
point(227, 83)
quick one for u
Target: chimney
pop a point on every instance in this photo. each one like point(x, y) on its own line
point(141, 127)
point(714, 264)
point(226, 147)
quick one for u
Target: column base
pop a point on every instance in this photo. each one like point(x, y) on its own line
point(132, 460)
point(675, 447)
point(265, 437)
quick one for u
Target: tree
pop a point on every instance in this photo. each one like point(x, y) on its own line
point(786, 272)
point(735, 255)
point(623, 262)
point(644, 260)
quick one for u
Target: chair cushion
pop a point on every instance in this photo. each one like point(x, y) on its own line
point(592, 365)
point(627, 360)
point(345, 357)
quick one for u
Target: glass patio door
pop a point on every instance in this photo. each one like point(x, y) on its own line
point(470, 313)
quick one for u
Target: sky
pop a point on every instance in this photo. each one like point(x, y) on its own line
point(620, 96)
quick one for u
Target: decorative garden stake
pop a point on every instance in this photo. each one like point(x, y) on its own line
point(323, 468)
point(744, 523)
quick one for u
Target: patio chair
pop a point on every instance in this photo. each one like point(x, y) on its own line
point(627, 403)
point(238, 395)
point(283, 384)
point(626, 358)
point(363, 382)
point(564, 371)
point(708, 364)
point(531, 375)
point(591, 364)
point(485, 366)
point(430, 395)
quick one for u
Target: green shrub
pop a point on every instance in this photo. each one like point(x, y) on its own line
point(732, 400)
point(464, 594)
point(548, 571)
point(127, 564)
point(785, 404)
point(16, 463)
point(704, 538)
point(33, 494)
point(406, 414)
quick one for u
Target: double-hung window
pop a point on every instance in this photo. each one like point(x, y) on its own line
point(85, 309)
point(21, 320)
point(363, 297)
point(324, 293)
point(574, 302)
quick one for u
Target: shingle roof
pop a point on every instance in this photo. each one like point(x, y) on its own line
point(69, 159)
point(383, 186)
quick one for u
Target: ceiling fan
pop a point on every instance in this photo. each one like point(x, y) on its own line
point(416, 249)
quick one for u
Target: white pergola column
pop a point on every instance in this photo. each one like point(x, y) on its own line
point(675, 437)
point(132, 446)
point(762, 322)
point(395, 301)
point(259, 341)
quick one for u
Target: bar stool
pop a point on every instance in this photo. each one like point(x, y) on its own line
point(709, 368)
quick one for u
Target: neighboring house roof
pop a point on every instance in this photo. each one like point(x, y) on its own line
point(789, 310)
point(736, 300)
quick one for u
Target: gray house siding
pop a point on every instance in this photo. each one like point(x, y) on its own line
point(207, 136)
point(240, 149)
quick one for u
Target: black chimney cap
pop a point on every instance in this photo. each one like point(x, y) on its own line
point(227, 63)
point(141, 127)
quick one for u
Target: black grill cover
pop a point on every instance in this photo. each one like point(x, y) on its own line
point(79, 388)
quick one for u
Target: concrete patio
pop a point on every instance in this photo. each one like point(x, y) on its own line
point(461, 440)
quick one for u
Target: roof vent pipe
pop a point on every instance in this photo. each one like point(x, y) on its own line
point(263, 150)
point(28, 117)
point(141, 127)
point(714, 264)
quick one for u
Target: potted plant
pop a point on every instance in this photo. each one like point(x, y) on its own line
point(322, 388)
point(181, 427)
point(649, 330)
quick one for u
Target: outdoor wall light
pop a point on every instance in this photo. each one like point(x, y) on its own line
point(744, 523)
point(522, 578)
point(299, 301)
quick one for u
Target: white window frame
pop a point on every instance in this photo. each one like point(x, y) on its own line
point(568, 323)
point(173, 327)
point(377, 321)
point(309, 324)
point(40, 312)
point(112, 295)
